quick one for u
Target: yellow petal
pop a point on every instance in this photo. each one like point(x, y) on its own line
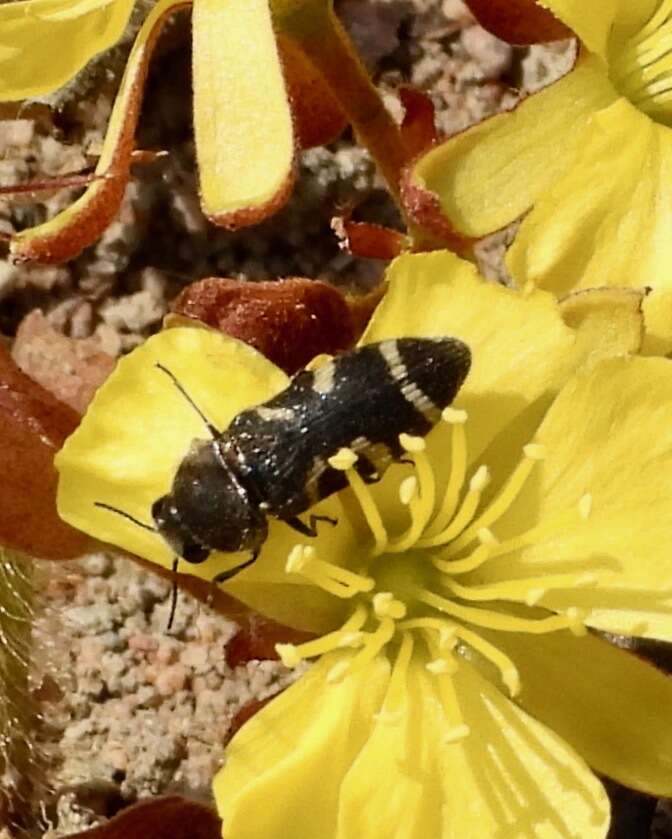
point(610, 706)
point(137, 430)
point(65, 235)
point(609, 436)
point(520, 346)
point(605, 221)
point(285, 766)
point(328, 756)
point(242, 118)
point(609, 321)
point(657, 310)
point(33, 60)
point(489, 175)
point(602, 25)
point(509, 776)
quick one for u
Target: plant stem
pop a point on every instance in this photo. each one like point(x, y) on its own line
point(316, 29)
point(18, 715)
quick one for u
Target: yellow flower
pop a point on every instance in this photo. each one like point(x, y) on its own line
point(242, 118)
point(588, 159)
point(459, 691)
point(33, 33)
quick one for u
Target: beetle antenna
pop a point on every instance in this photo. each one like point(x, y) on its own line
point(125, 515)
point(211, 428)
point(173, 599)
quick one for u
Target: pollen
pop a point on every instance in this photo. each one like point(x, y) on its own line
point(343, 460)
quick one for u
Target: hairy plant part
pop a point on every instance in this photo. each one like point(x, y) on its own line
point(35, 424)
point(21, 781)
point(289, 321)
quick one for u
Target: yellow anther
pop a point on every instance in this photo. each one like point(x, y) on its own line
point(385, 606)
point(298, 558)
point(388, 717)
point(343, 460)
point(338, 671)
point(528, 289)
point(535, 451)
point(480, 479)
point(585, 505)
point(447, 638)
point(289, 655)
point(576, 618)
point(454, 735)
point(454, 416)
point(511, 679)
point(351, 639)
point(442, 666)
point(412, 443)
point(408, 489)
point(486, 537)
point(534, 595)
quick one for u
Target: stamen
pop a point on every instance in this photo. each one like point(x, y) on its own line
point(338, 671)
point(385, 606)
point(533, 453)
point(419, 496)
point(446, 631)
point(451, 706)
point(462, 566)
point(332, 578)
point(442, 666)
point(374, 643)
point(347, 635)
point(391, 712)
point(458, 468)
point(464, 515)
point(585, 505)
point(343, 461)
point(498, 620)
point(502, 662)
point(519, 590)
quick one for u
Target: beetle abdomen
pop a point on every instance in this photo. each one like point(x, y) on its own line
point(360, 400)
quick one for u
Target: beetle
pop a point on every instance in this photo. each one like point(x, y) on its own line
point(273, 459)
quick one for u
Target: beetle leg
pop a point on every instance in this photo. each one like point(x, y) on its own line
point(231, 572)
point(309, 529)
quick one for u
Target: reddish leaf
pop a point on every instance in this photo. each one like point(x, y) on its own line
point(166, 817)
point(70, 369)
point(289, 321)
point(370, 241)
point(35, 424)
point(519, 22)
point(318, 118)
point(246, 713)
point(257, 637)
point(418, 128)
point(422, 206)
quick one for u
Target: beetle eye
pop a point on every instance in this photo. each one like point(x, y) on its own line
point(195, 553)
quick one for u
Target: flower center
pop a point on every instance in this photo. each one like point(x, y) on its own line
point(418, 586)
point(642, 71)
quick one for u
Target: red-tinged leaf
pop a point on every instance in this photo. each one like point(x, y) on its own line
point(519, 22)
point(35, 424)
point(79, 225)
point(418, 127)
point(70, 369)
point(318, 118)
point(289, 321)
point(166, 817)
point(246, 713)
point(369, 241)
point(257, 637)
point(422, 207)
